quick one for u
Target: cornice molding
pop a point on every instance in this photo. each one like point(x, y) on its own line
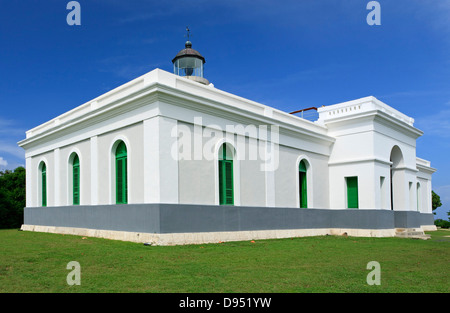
point(361, 160)
point(425, 169)
point(154, 92)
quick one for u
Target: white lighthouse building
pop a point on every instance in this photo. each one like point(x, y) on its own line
point(167, 158)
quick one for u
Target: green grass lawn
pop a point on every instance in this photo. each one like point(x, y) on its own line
point(36, 262)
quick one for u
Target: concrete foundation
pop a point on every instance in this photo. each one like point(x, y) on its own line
point(172, 224)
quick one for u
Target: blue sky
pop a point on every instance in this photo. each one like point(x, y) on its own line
point(286, 54)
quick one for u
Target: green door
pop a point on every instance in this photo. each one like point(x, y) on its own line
point(76, 180)
point(121, 174)
point(302, 185)
point(226, 192)
point(352, 192)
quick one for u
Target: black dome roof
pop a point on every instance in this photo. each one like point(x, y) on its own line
point(188, 52)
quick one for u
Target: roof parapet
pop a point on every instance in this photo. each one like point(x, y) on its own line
point(357, 107)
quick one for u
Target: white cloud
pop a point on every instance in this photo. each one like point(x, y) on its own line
point(436, 13)
point(10, 134)
point(8, 127)
point(122, 66)
point(3, 162)
point(437, 124)
point(12, 148)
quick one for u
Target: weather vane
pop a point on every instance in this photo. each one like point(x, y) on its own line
point(188, 32)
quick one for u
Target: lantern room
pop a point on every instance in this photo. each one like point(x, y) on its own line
point(190, 63)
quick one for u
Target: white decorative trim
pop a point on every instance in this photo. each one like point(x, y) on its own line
point(425, 169)
point(156, 85)
point(362, 160)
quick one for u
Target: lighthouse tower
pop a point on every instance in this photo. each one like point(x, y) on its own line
point(189, 63)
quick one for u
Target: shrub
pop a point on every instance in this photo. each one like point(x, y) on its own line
point(12, 197)
point(442, 223)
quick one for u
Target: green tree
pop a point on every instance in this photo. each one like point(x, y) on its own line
point(435, 201)
point(12, 197)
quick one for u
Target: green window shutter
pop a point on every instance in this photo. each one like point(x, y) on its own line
point(76, 180)
point(302, 166)
point(303, 190)
point(121, 150)
point(352, 192)
point(125, 180)
point(221, 183)
point(229, 194)
point(226, 191)
point(121, 174)
point(119, 180)
point(44, 185)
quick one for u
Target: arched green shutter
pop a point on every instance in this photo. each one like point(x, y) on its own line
point(226, 192)
point(44, 184)
point(76, 180)
point(303, 190)
point(121, 174)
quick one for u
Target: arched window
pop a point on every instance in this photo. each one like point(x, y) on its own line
point(397, 178)
point(121, 174)
point(303, 190)
point(76, 180)
point(43, 184)
point(226, 190)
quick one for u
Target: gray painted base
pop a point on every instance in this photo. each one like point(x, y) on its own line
point(211, 220)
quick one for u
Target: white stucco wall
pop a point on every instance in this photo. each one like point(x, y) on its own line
point(286, 179)
point(350, 139)
point(198, 170)
point(368, 133)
